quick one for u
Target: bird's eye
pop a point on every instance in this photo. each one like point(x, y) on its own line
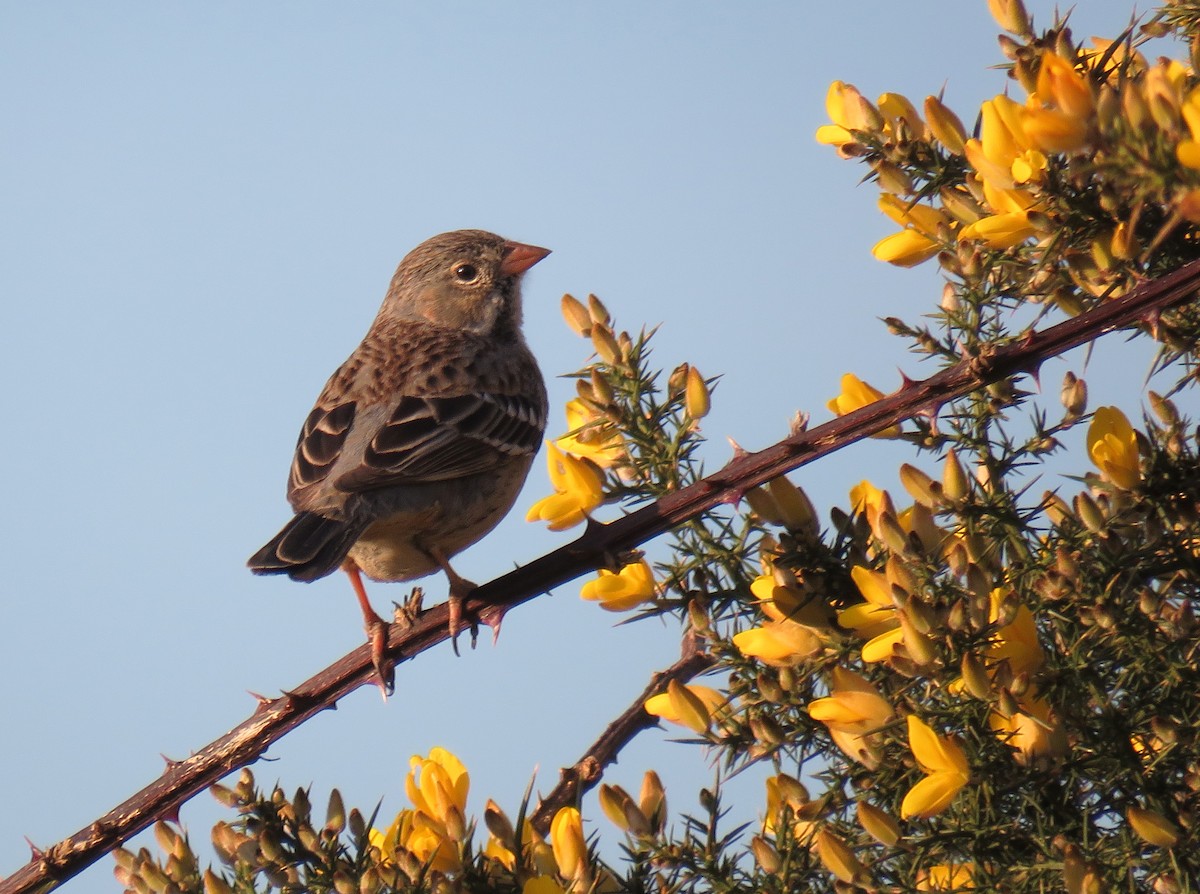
point(466, 273)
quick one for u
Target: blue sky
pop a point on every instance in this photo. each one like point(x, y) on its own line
point(203, 206)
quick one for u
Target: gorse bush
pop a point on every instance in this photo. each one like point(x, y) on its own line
point(987, 680)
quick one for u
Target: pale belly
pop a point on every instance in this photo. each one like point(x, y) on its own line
point(397, 547)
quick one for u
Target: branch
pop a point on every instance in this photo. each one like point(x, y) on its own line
point(276, 717)
point(583, 775)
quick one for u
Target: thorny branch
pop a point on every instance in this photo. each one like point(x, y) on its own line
point(273, 718)
point(583, 775)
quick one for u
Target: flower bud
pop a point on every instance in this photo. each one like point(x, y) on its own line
point(975, 677)
point(955, 485)
point(499, 824)
point(697, 400)
point(605, 344)
point(1074, 394)
point(763, 505)
point(878, 824)
point(765, 854)
point(946, 126)
point(1089, 513)
point(837, 857)
point(576, 315)
point(597, 311)
point(652, 801)
point(795, 509)
point(920, 486)
point(1152, 827)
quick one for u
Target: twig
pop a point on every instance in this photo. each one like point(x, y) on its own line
point(583, 775)
point(275, 717)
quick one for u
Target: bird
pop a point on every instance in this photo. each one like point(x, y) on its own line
point(420, 442)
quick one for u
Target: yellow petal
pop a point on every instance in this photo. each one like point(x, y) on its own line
point(906, 248)
point(566, 838)
point(931, 795)
point(1152, 827)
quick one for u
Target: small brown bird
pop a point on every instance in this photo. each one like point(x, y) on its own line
point(420, 442)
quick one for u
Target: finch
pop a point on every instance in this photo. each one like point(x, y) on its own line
point(421, 440)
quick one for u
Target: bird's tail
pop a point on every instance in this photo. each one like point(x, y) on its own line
point(309, 546)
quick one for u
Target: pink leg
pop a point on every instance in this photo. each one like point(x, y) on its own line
point(377, 631)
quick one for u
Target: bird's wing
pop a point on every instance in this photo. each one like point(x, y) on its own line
point(430, 439)
point(320, 444)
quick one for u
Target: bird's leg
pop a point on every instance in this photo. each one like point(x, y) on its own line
point(377, 631)
point(460, 588)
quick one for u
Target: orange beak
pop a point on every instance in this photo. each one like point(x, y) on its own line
point(519, 257)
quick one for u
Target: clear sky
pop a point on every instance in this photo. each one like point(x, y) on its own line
point(203, 205)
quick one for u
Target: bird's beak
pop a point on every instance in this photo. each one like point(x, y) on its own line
point(519, 257)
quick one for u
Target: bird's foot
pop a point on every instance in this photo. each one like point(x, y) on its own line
point(377, 639)
point(405, 613)
point(459, 590)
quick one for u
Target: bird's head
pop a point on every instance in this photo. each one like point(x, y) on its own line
point(465, 279)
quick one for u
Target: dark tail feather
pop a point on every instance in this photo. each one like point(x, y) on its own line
point(309, 546)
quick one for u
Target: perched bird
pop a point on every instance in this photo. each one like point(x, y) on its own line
point(420, 442)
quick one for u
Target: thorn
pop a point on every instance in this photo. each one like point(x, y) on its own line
point(738, 452)
point(592, 528)
point(171, 763)
point(1035, 373)
point(736, 495)
point(905, 381)
point(35, 852)
point(493, 617)
point(262, 700)
point(1152, 320)
point(294, 699)
point(171, 815)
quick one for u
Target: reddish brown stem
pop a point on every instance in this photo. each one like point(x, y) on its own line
point(585, 773)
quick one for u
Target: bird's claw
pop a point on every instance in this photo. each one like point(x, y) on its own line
point(405, 614)
point(385, 670)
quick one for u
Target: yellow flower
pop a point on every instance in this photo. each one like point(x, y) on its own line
point(570, 847)
point(999, 231)
point(430, 842)
point(945, 767)
point(906, 248)
point(923, 218)
point(619, 591)
point(898, 111)
point(856, 394)
point(437, 785)
point(853, 712)
point(785, 793)
point(778, 643)
point(1015, 642)
point(948, 877)
point(578, 490)
point(1112, 445)
point(1033, 731)
point(848, 111)
point(591, 436)
point(690, 705)
point(1059, 112)
point(866, 498)
point(782, 599)
point(875, 619)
